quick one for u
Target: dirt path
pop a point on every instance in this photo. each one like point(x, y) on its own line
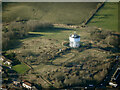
point(66, 60)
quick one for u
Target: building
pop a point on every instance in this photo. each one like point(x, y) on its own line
point(115, 78)
point(116, 74)
point(16, 82)
point(8, 62)
point(27, 85)
point(1, 59)
point(74, 40)
point(0, 69)
point(3, 87)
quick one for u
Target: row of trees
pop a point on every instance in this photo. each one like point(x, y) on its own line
point(17, 30)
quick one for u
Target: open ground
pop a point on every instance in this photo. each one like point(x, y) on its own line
point(54, 64)
point(60, 66)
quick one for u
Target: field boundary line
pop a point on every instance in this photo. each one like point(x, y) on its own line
point(94, 12)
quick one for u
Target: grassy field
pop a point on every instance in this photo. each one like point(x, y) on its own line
point(68, 13)
point(21, 68)
point(106, 17)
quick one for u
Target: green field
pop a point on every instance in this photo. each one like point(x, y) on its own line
point(68, 13)
point(20, 68)
point(106, 17)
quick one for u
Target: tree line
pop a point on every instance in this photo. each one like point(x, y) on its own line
point(12, 32)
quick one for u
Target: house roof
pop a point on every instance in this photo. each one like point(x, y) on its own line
point(27, 83)
point(3, 57)
point(9, 61)
point(74, 36)
point(16, 80)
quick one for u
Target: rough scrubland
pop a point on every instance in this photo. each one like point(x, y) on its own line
point(36, 41)
point(60, 66)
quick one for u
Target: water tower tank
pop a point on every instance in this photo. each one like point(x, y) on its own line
point(74, 40)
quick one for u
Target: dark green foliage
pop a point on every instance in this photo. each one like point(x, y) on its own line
point(12, 57)
point(15, 62)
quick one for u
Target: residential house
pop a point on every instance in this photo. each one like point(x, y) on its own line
point(1, 59)
point(27, 85)
point(16, 82)
point(8, 62)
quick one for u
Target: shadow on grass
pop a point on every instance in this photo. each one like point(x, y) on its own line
point(30, 35)
point(99, 15)
point(16, 43)
point(50, 29)
point(13, 44)
point(111, 49)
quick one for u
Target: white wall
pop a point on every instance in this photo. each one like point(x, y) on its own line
point(74, 42)
point(26, 86)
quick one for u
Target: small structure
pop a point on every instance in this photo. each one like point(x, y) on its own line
point(16, 82)
point(27, 85)
point(8, 62)
point(1, 59)
point(113, 84)
point(3, 87)
point(0, 69)
point(116, 74)
point(74, 40)
point(115, 78)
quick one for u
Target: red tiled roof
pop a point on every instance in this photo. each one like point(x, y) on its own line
point(27, 83)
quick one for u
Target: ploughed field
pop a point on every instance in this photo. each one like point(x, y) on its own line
point(58, 65)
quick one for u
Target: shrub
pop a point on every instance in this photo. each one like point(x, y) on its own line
point(73, 81)
point(17, 30)
point(68, 64)
point(59, 76)
point(65, 43)
point(99, 34)
point(58, 84)
point(35, 25)
point(113, 40)
point(100, 75)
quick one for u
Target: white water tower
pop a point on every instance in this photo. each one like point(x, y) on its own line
point(74, 40)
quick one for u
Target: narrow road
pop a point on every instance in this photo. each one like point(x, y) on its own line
point(110, 74)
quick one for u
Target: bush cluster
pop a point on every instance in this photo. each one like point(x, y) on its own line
point(17, 30)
